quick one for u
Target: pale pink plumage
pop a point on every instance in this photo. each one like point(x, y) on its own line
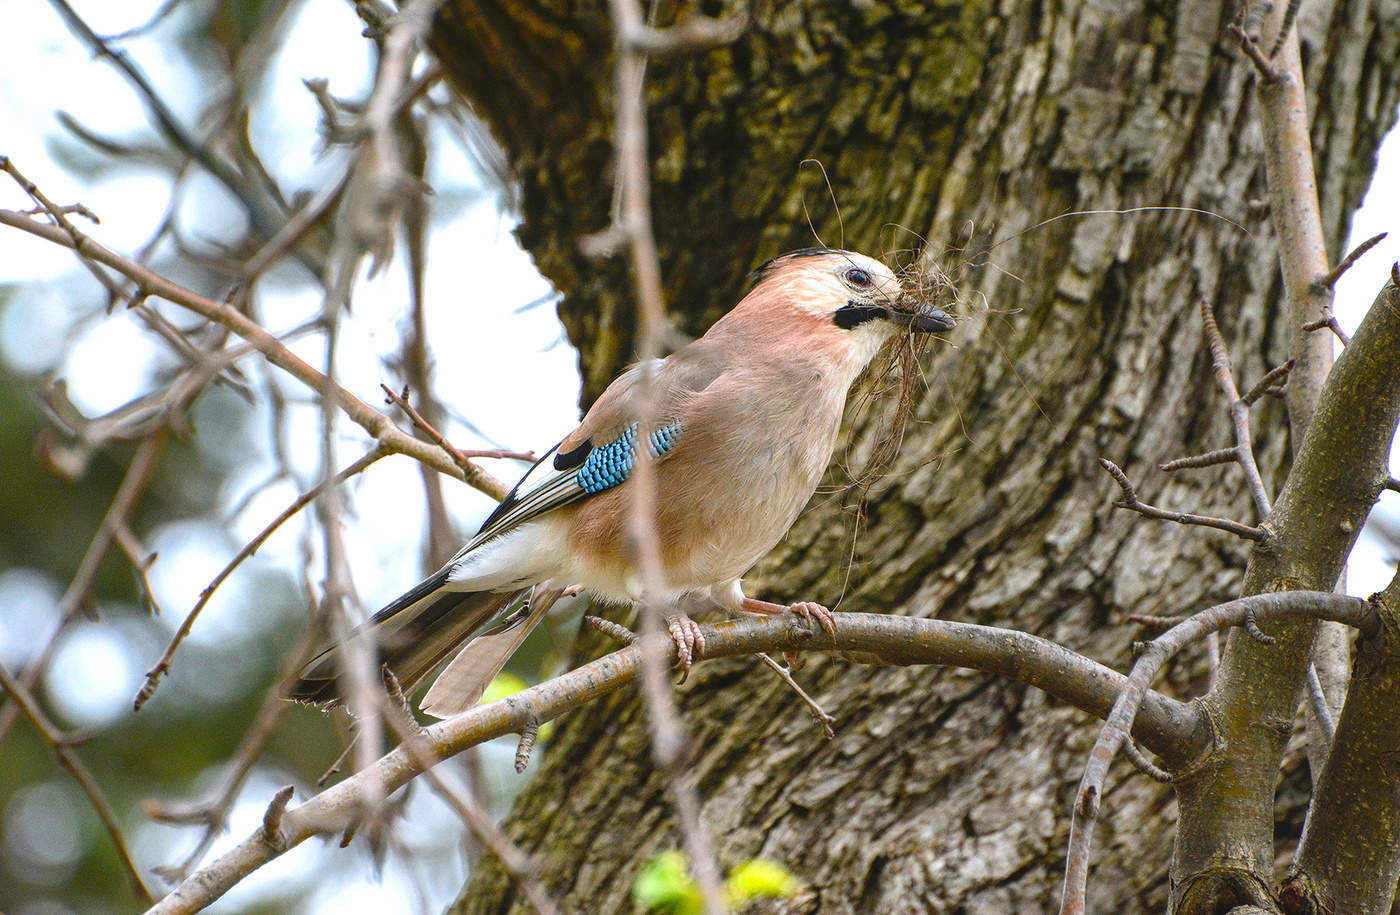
point(759, 400)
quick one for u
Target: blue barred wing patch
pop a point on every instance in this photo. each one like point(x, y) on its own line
point(611, 464)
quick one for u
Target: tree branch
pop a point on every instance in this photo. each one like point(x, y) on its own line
point(1311, 604)
point(1226, 828)
point(1171, 729)
point(81, 775)
point(379, 426)
point(1357, 870)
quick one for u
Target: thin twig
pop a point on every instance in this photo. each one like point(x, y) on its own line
point(1144, 765)
point(615, 631)
point(1256, 54)
point(1271, 381)
point(526, 746)
point(162, 666)
point(1209, 459)
point(1131, 502)
point(1317, 698)
point(1289, 15)
point(1329, 321)
point(1330, 280)
point(462, 457)
point(263, 212)
point(819, 715)
point(69, 760)
point(1239, 409)
point(379, 426)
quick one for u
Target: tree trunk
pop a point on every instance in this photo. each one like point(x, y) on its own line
point(967, 125)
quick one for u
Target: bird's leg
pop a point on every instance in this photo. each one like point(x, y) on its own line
point(690, 642)
point(807, 610)
point(804, 609)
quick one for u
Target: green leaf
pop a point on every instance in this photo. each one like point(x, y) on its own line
point(665, 885)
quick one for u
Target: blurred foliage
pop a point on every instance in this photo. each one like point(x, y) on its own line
point(665, 884)
point(173, 749)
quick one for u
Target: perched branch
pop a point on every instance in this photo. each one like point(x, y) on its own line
point(1169, 728)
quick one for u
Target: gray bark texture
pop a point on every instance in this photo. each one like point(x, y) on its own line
point(966, 125)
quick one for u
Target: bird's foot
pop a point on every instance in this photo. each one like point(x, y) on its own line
point(812, 611)
point(807, 610)
point(690, 642)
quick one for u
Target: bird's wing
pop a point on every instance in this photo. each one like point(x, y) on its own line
point(412, 636)
point(601, 452)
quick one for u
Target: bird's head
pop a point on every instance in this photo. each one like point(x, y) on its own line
point(857, 302)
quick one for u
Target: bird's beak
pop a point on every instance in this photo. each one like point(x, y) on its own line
point(924, 320)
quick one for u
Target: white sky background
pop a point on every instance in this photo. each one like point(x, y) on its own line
point(510, 372)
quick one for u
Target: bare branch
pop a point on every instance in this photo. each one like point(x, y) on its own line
point(69, 760)
point(1329, 321)
point(1144, 765)
point(819, 715)
point(264, 212)
point(1239, 409)
point(1309, 604)
point(634, 224)
point(1330, 280)
point(162, 666)
point(1290, 14)
point(1209, 459)
point(528, 736)
point(1272, 379)
point(1169, 728)
point(379, 426)
point(461, 457)
point(1256, 54)
point(1131, 502)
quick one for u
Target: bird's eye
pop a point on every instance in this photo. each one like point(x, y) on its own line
point(858, 277)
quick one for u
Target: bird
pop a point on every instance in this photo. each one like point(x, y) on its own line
point(741, 426)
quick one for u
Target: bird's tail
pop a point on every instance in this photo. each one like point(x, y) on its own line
point(412, 635)
point(465, 678)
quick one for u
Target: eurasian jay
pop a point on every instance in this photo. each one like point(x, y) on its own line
point(743, 425)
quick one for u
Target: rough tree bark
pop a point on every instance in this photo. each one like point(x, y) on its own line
point(967, 124)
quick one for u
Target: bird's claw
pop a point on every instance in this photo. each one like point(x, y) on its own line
point(690, 642)
point(809, 611)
